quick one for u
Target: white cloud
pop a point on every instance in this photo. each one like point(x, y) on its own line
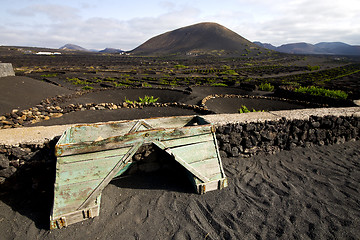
point(276, 21)
point(309, 21)
point(64, 25)
point(54, 12)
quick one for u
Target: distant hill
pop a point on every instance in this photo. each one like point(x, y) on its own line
point(73, 47)
point(328, 48)
point(198, 39)
point(111, 50)
point(266, 45)
point(299, 48)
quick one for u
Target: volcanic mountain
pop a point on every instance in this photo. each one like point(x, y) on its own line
point(198, 39)
point(73, 47)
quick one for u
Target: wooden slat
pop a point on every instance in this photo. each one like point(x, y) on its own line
point(196, 152)
point(187, 140)
point(207, 167)
point(85, 132)
point(170, 122)
point(184, 163)
point(218, 155)
point(124, 169)
point(67, 198)
point(214, 177)
point(73, 217)
point(140, 126)
point(188, 167)
point(129, 139)
point(85, 170)
point(91, 132)
point(92, 156)
point(97, 191)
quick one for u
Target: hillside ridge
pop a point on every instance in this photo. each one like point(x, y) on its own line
point(198, 39)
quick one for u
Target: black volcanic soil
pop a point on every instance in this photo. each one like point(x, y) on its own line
point(232, 105)
point(306, 193)
point(90, 116)
point(23, 92)
point(119, 95)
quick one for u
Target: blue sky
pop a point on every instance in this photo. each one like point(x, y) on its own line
point(126, 24)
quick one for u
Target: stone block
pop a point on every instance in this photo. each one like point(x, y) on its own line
point(6, 70)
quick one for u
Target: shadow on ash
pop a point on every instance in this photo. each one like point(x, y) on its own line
point(90, 156)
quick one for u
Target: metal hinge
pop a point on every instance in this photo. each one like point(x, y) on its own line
point(222, 183)
point(61, 222)
point(88, 213)
point(213, 129)
point(202, 189)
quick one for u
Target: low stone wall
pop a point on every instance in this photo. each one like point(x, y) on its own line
point(247, 139)
point(6, 70)
point(27, 158)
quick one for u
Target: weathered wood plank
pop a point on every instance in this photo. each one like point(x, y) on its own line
point(207, 167)
point(141, 125)
point(218, 155)
point(123, 170)
point(97, 191)
point(69, 197)
point(92, 156)
point(182, 162)
point(196, 152)
point(73, 217)
point(173, 122)
point(128, 139)
point(106, 130)
point(91, 132)
point(187, 140)
point(188, 167)
point(214, 177)
point(85, 170)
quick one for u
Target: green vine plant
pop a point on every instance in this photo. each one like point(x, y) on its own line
point(244, 109)
point(128, 101)
point(148, 99)
point(266, 87)
point(318, 91)
point(145, 100)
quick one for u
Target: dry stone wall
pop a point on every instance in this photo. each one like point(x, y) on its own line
point(246, 139)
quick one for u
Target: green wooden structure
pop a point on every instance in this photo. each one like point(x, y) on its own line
point(89, 156)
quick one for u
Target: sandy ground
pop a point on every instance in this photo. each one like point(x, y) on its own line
point(306, 193)
point(23, 92)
